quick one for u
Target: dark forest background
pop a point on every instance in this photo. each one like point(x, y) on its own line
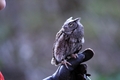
point(28, 29)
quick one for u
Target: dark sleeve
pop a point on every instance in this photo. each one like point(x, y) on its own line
point(62, 73)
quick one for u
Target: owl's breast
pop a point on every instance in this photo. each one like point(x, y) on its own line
point(67, 32)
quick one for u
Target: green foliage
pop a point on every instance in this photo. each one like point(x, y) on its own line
point(110, 77)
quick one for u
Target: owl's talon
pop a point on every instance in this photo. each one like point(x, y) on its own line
point(65, 63)
point(74, 56)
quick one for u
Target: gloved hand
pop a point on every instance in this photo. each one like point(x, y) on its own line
point(76, 70)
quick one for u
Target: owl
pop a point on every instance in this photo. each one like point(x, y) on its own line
point(68, 41)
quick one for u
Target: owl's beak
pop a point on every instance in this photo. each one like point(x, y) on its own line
point(65, 27)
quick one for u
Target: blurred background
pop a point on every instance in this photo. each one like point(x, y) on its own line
point(28, 29)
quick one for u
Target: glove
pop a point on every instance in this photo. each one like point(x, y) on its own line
point(76, 71)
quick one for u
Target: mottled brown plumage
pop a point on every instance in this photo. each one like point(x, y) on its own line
point(68, 40)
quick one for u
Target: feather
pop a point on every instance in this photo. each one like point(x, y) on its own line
point(69, 40)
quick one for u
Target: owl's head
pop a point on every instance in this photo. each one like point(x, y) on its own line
point(71, 24)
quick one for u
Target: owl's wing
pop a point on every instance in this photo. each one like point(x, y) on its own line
point(59, 34)
point(58, 49)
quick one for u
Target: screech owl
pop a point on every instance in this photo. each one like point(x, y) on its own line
point(68, 41)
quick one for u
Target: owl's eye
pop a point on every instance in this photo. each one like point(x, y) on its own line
point(70, 24)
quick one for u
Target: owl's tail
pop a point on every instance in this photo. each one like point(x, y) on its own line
point(54, 62)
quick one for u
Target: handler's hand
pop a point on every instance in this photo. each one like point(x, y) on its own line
point(62, 73)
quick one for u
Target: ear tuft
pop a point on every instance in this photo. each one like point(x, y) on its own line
point(69, 19)
point(77, 19)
